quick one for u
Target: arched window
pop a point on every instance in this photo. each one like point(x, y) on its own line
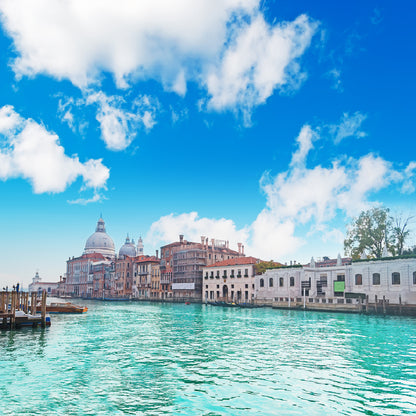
point(414, 278)
point(376, 278)
point(358, 279)
point(261, 282)
point(395, 278)
point(292, 281)
point(271, 282)
point(281, 281)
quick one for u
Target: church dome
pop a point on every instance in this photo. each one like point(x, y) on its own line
point(127, 249)
point(100, 242)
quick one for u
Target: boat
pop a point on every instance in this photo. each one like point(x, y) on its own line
point(65, 307)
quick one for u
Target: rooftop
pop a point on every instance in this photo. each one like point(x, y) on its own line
point(240, 261)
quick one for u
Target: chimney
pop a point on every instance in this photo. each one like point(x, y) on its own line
point(212, 243)
point(157, 254)
point(239, 248)
point(228, 244)
point(242, 249)
point(206, 243)
point(202, 241)
point(181, 238)
point(290, 262)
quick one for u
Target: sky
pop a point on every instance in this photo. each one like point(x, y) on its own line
point(272, 123)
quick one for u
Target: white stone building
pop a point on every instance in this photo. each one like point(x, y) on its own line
point(229, 280)
point(340, 281)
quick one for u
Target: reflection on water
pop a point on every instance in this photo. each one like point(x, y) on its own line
point(152, 359)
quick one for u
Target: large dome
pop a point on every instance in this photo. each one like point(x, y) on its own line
point(100, 242)
point(127, 249)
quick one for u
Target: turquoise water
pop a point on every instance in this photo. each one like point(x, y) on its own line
point(153, 359)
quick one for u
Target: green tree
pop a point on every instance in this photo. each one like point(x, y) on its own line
point(370, 232)
point(401, 232)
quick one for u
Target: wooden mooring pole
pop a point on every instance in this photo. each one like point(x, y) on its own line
point(43, 309)
point(33, 303)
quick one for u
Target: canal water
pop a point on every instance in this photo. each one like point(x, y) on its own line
point(152, 359)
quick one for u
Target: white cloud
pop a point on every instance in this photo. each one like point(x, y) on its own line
point(301, 198)
point(259, 59)
point(225, 46)
point(169, 227)
point(349, 126)
point(29, 151)
point(118, 125)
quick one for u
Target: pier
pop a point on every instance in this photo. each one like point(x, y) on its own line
point(16, 311)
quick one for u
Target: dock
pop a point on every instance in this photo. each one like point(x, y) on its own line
point(17, 311)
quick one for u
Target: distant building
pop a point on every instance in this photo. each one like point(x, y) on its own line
point(341, 281)
point(38, 286)
point(230, 280)
point(185, 260)
point(146, 277)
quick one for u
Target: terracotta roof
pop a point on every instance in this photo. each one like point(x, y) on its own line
point(236, 262)
point(143, 259)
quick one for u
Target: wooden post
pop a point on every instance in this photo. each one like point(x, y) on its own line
point(375, 303)
point(366, 304)
point(43, 309)
point(400, 304)
point(13, 311)
point(33, 304)
point(384, 305)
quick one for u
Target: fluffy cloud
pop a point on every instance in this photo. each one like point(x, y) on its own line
point(225, 46)
point(169, 227)
point(259, 59)
point(119, 126)
point(29, 151)
point(301, 198)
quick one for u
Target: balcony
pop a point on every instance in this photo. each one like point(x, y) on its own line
point(231, 275)
point(240, 275)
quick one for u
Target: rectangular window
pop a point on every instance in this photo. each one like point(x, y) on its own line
point(395, 278)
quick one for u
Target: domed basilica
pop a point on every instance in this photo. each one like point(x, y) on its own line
point(101, 242)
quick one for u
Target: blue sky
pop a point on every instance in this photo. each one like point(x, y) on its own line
point(271, 123)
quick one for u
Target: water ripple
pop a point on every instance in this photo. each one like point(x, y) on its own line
point(146, 359)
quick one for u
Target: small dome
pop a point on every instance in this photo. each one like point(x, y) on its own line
point(127, 249)
point(100, 242)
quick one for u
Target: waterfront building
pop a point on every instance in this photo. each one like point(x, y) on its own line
point(146, 277)
point(122, 283)
point(155, 289)
point(230, 280)
point(38, 286)
point(340, 281)
point(84, 275)
point(189, 258)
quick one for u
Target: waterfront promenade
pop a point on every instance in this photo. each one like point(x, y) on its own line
point(137, 358)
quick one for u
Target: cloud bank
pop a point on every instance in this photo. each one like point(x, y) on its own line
point(306, 198)
point(226, 47)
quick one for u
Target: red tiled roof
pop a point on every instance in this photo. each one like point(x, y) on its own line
point(236, 262)
point(143, 259)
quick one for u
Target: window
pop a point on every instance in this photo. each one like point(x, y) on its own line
point(358, 279)
point(292, 281)
point(271, 282)
point(414, 278)
point(261, 282)
point(395, 278)
point(376, 278)
point(281, 281)
point(245, 272)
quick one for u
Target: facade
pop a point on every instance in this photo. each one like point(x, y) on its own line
point(188, 260)
point(340, 281)
point(38, 286)
point(230, 280)
point(122, 282)
point(146, 277)
point(83, 274)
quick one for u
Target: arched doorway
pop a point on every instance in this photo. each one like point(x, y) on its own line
point(225, 292)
